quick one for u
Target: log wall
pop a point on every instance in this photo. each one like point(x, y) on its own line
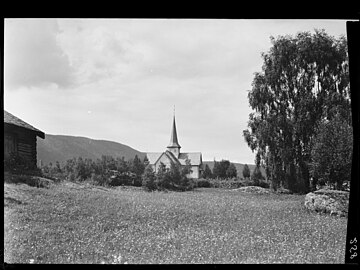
point(25, 141)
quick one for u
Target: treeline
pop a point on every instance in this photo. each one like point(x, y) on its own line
point(110, 171)
point(106, 170)
point(224, 169)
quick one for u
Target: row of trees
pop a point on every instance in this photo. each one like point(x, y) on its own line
point(222, 169)
point(301, 127)
point(117, 171)
point(226, 170)
point(106, 170)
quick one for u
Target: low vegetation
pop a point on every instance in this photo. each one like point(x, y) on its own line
point(229, 183)
point(82, 223)
point(109, 172)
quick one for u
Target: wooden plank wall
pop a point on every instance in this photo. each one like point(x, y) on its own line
point(25, 141)
point(27, 146)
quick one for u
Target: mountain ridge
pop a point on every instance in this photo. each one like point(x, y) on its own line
point(63, 147)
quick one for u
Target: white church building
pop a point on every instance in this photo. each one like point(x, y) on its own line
point(173, 154)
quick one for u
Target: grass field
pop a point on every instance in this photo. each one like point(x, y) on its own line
point(71, 223)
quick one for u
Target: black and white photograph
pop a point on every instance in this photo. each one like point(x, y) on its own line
point(177, 141)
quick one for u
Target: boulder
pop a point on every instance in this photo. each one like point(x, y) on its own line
point(282, 190)
point(253, 189)
point(333, 202)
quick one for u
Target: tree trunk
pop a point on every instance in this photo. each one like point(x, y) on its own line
point(292, 177)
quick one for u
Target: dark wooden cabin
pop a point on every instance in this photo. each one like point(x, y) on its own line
point(20, 138)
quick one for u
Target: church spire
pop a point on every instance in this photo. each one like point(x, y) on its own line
point(174, 145)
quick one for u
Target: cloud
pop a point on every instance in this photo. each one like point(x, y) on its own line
point(132, 50)
point(97, 52)
point(130, 73)
point(32, 56)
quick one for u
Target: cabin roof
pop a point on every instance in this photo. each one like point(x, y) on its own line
point(13, 120)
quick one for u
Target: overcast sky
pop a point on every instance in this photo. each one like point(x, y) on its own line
point(119, 79)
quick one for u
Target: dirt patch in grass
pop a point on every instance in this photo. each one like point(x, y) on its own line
point(82, 224)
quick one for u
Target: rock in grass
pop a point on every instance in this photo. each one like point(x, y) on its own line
point(30, 180)
point(283, 191)
point(253, 189)
point(333, 202)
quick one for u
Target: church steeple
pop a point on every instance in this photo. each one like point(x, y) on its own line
point(174, 145)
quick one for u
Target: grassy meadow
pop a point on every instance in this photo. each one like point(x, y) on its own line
point(72, 223)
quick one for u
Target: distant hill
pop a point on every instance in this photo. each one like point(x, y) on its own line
point(239, 167)
point(61, 148)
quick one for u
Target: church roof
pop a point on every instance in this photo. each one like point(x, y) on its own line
point(194, 157)
point(172, 157)
point(174, 140)
point(153, 156)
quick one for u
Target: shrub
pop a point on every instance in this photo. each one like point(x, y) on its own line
point(207, 172)
point(163, 179)
point(203, 183)
point(186, 185)
point(173, 178)
point(226, 183)
point(257, 176)
point(148, 179)
point(19, 165)
point(137, 181)
point(71, 177)
point(263, 184)
point(56, 177)
point(118, 180)
point(247, 182)
point(33, 181)
point(96, 179)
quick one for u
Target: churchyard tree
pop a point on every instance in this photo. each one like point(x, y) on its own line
point(302, 79)
point(220, 168)
point(207, 172)
point(246, 172)
point(231, 171)
point(148, 179)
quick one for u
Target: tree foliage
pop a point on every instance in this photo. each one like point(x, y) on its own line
point(331, 157)
point(106, 170)
point(111, 171)
point(246, 171)
point(256, 176)
point(207, 172)
point(174, 177)
point(220, 168)
point(148, 179)
point(302, 79)
point(231, 171)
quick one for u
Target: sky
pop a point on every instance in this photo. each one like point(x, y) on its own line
point(119, 79)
